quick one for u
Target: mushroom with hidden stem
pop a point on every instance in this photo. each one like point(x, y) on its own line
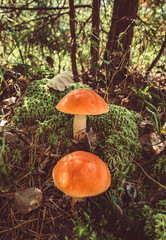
point(81, 174)
point(82, 102)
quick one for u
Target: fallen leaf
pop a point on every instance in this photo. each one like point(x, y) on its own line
point(92, 137)
point(43, 165)
point(10, 100)
point(158, 143)
point(27, 200)
point(2, 123)
point(154, 142)
point(61, 81)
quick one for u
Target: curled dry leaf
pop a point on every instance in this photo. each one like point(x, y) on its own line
point(154, 142)
point(61, 81)
point(42, 166)
point(27, 200)
point(10, 101)
point(158, 143)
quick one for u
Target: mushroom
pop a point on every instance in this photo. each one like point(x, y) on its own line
point(81, 174)
point(82, 102)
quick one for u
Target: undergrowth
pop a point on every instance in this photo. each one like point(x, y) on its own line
point(118, 132)
point(106, 216)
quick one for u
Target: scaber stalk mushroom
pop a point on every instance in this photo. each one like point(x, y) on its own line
point(81, 174)
point(82, 102)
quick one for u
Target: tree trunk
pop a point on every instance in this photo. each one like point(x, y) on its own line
point(73, 37)
point(117, 54)
point(95, 34)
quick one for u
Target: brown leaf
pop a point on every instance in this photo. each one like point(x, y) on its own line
point(92, 137)
point(27, 200)
point(43, 165)
point(154, 142)
point(158, 143)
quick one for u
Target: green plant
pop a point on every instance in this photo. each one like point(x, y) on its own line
point(146, 100)
point(159, 168)
point(81, 227)
point(53, 140)
point(97, 219)
point(155, 226)
point(147, 222)
point(154, 117)
point(139, 97)
point(3, 170)
point(17, 44)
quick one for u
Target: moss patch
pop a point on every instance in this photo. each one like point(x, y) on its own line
point(38, 104)
point(118, 142)
point(118, 132)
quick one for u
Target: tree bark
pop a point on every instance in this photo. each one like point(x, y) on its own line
point(95, 34)
point(73, 37)
point(120, 36)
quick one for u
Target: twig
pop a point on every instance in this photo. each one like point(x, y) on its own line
point(19, 225)
point(43, 8)
point(157, 57)
point(148, 175)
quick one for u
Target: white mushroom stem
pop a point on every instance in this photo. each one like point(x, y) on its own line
point(79, 127)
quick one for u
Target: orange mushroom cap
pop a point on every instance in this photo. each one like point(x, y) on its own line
point(81, 174)
point(82, 101)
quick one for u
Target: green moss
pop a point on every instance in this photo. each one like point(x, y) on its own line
point(117, 145)
point(159, 168)
point(38, 104)
point(118, 142)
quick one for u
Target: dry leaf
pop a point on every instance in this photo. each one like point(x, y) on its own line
point(154, 142)
point(10, 101)
point(42, 166)
point(61, 81)
point(158, 143)
point(2, 123)
point(27, 199)
point(92, 137)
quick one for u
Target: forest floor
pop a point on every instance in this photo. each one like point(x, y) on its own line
point(51, 217)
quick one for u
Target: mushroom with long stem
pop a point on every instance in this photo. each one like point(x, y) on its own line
point(82, 102)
